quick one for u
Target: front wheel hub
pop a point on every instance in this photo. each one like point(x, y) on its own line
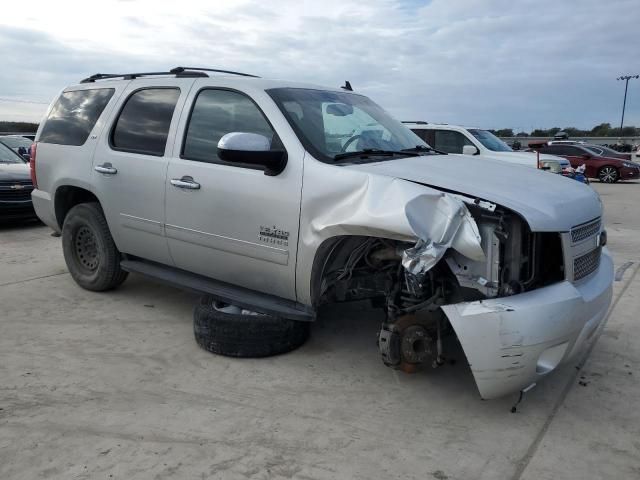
point(415, 344)
point(405, 344)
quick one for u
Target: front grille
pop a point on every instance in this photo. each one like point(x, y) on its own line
point(15, 191)
point(586, 264)
point(584, 231)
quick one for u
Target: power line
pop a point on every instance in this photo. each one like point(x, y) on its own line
point(22, 101)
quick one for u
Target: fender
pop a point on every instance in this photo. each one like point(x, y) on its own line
point(364, 204)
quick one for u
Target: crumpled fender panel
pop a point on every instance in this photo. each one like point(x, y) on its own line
point(342, 201)
point(449, 225)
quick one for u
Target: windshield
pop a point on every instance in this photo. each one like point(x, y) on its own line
point(9, 156)
point(330, 124)
point(490, 141)
point(16, 142)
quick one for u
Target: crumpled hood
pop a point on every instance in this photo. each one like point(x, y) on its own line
point(548, 202)
point(14, 171)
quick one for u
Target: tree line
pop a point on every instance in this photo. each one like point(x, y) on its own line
point(18, 127)
point(602, 130)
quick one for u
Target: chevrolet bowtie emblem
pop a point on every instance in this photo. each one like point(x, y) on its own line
point(17, 187)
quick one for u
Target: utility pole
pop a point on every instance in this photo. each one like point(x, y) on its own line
point(626, 78)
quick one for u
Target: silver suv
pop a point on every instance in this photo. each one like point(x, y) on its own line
point(274, 198)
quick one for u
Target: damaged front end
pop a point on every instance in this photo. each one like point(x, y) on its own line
point(476, 270)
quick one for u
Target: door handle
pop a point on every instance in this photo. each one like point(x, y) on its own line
point(106, 168)
point(185, 182)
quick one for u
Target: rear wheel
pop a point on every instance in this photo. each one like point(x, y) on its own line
point(89, 251)
point(233, 332)
point(608, 174)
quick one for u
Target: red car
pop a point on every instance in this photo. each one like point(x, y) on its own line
point(606, 169)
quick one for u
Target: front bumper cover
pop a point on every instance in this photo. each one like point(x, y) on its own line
point(512, 342)
point(626, 172)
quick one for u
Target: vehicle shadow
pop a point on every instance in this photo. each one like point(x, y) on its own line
point(349, 331)
point(10, 225)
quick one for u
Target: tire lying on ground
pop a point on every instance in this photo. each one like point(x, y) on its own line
point(226, 330)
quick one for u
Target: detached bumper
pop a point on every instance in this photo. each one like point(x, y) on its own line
point(512, 342)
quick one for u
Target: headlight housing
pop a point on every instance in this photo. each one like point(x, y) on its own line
point(629, 165)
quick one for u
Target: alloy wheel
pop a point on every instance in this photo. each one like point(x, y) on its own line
point(608, 174)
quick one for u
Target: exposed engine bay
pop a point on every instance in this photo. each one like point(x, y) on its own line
point(411, 281)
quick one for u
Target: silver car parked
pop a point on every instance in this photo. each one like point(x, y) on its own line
point(274, 198)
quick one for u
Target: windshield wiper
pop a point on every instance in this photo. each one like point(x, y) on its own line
point(370, 152)
point(422, 148)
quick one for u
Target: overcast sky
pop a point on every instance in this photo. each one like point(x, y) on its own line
point(492, 63)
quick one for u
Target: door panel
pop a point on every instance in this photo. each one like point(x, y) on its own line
point(130, 163)
point(240, 226)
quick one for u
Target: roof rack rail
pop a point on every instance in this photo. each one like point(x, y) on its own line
point(182, 72)
point(217, 71)
point(419, 122)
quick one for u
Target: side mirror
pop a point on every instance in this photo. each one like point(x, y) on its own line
point(252, 149)
point(470, 150)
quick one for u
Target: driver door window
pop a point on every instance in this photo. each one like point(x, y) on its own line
point(449, 141)
point(216, 113)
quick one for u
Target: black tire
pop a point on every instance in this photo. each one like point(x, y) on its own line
point(608, 174)
point(245, 336)
point(91, 255)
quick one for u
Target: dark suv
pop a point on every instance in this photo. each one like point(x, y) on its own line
point(605, 168)
point(15, 186)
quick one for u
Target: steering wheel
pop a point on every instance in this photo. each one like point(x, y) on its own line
point(349, 142)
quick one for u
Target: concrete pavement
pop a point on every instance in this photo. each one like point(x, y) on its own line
point(114, 386)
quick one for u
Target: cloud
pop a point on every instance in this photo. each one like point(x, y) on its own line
point(495, 63)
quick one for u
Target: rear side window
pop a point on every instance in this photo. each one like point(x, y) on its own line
point(74, 115)
point(143, 124)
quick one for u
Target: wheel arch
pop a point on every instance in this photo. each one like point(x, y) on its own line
point(68, 196)
point(330, 252)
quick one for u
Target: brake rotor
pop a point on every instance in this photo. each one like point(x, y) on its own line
point(415, 343)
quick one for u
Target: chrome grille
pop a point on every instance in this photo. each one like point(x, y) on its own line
point(15, 191)
point(586, 264)
point(584, 231)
